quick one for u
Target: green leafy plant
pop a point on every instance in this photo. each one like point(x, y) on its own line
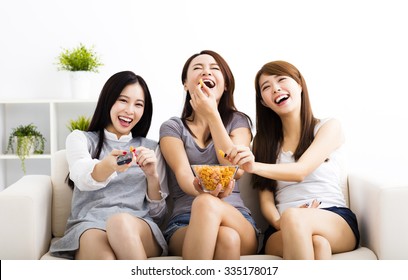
point(81, 123)
point(28, 139)
point(80, 58)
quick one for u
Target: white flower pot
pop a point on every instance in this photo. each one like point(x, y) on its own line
point(80, 84)
point(26, 145)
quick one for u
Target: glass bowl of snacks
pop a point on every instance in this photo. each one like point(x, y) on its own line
point(210, 175)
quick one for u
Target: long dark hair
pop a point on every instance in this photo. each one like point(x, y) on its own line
point(107, 98)
point(269, 134)
point(226, 106)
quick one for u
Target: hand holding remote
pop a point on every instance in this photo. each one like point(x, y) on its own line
point(125, 159)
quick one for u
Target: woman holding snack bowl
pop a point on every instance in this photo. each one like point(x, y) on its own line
point(297, 162)
point(211, 223)
point(118, 177)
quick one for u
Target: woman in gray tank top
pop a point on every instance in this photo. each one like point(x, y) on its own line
point(214, 225)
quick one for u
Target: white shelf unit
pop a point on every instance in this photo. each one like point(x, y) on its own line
point(51, 118)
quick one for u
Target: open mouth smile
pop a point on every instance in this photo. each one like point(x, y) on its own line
point(209, 83)
point(125, 119)
point(281, 98)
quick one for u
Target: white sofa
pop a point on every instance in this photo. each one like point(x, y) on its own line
point(34, 210)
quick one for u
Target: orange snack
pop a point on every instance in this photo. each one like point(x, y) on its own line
point(201, 83)
point(221, 153)
point(212, 175)
point(133, 150)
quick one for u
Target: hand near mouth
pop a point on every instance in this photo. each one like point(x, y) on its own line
point(203, 100)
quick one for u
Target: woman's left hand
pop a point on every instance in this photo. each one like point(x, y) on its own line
point(315, 204)
point(147, 161)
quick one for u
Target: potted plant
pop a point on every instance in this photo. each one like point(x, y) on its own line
point(79, 61)
point(81, 123)
point(25, 140)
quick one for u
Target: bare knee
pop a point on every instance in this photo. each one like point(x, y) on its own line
point(119, 222)
point(123, 226)
point(205, 204)
point(291, 220)
point(228, 238)
point(93, 245)
point(228, 244)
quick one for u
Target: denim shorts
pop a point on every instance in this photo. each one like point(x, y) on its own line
point(344, 212)
point(183, 220)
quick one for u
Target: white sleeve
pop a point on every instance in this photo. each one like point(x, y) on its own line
point(158, 208)
point(81, 164)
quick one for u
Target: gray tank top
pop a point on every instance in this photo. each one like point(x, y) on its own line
point(174, 127)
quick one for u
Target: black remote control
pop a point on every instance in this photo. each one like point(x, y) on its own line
point(125, 159)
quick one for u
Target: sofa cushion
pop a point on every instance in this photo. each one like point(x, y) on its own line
point(61, 193)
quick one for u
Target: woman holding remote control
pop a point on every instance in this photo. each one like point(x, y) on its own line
point(119, 191)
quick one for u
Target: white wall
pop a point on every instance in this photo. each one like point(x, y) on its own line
point(353, 55)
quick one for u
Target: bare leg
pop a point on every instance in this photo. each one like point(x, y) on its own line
point(274, 244)
point(321, 246)
point(296, 231)
point(131, 238)
point(208, 215)
point(176, 241)
point(227, 241)
point(94, 245)
point(228, 246)
point(301, 227)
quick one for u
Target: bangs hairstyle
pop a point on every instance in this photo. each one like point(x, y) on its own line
point(107, 98)
point(269, 134)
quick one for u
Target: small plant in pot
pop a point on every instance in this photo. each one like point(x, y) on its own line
point(80, 62)
point(25, 140)
point(81, 123)
point(80, 58)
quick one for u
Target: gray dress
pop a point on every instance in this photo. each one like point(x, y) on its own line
point(126, 193)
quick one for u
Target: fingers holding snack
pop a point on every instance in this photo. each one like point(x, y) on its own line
point(242, 156)
point(203, 100)
point(146, 159)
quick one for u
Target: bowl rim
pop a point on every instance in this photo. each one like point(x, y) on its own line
point(222, 165)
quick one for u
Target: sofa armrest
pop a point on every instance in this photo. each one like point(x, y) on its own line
point(381, 208)
point(25, 218)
